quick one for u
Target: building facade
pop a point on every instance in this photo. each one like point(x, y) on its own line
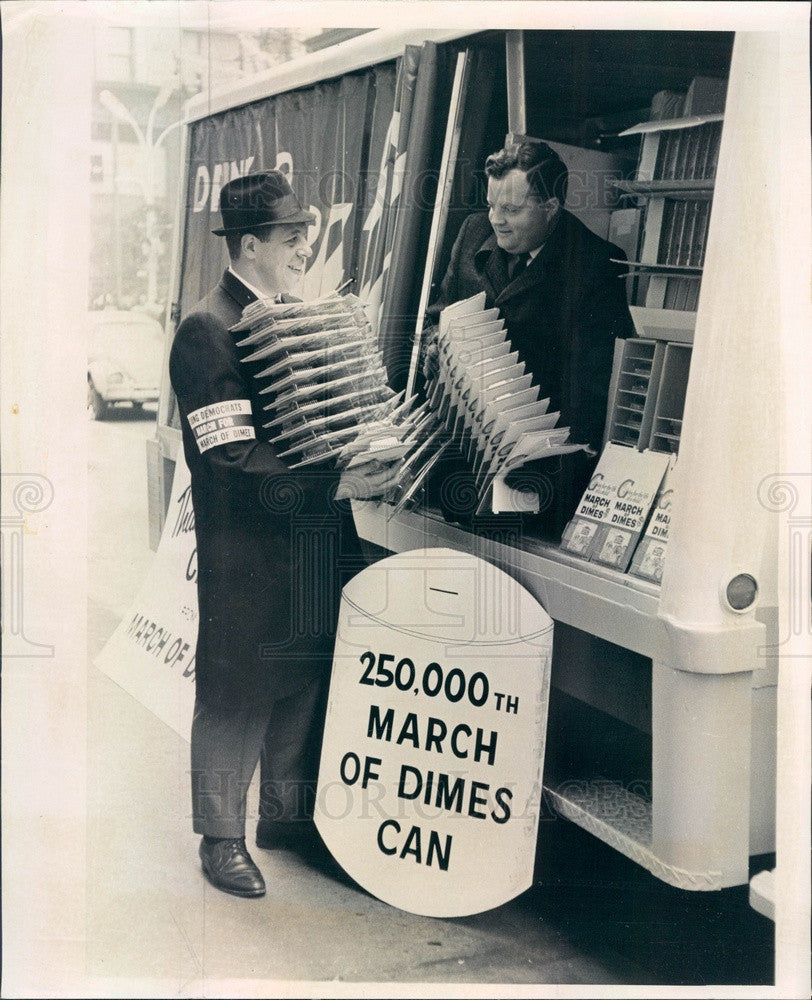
point(142, 77)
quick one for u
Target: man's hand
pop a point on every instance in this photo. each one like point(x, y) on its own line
point(364, 482)
point(431, 356)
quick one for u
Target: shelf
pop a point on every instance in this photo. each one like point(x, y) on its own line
point(678, 270)
point(638, 387)
point(701, 189)
point(669, 124)
point(613, 606)
point(624, 820)
point(623, 610)
point(640, 350)
point(675, 325)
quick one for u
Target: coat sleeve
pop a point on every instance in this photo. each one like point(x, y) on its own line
point(205, 372)
point(602, 316)
point(448, 291)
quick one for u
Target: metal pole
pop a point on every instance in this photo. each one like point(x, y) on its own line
point(116, 216)
point(516, 97)
point(445, 183)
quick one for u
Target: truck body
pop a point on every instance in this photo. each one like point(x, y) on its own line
point(663, 716)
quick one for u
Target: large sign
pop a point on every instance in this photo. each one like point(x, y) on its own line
point(152, 652)
point(431, 767)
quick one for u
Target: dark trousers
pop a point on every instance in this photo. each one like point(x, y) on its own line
point(227, 742)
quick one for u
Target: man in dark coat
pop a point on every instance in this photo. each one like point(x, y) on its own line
point(562, 299)
point(271, 545)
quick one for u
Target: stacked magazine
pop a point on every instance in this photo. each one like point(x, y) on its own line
point(615, 507)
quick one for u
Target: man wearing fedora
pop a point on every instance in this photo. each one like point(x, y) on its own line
point(266, 624)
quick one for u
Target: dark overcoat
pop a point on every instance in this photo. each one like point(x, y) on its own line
point(272, 545)
point(562, 313)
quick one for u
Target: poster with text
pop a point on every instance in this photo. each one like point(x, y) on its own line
point(152, 652)
point(431, 766)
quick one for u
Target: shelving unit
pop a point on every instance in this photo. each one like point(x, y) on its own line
point(667, 427)
point(675, 180)
point(633, 391)
point(673, 192)
point(647, 394)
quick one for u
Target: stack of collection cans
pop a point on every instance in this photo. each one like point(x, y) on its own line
point(329, 400)
point(486, 403)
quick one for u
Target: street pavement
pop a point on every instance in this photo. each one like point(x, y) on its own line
point(118, 523)
point(156, 928)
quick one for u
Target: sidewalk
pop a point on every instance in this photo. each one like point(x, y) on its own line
point(153, 914)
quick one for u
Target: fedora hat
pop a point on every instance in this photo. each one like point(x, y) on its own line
point(261, 199)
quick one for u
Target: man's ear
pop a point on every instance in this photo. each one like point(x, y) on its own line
point(551, 206)
point(248, 244)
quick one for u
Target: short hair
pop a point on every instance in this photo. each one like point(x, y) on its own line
point(234, 240)
point(546, 171)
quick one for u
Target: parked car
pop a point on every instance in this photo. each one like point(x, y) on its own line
point(125, 355)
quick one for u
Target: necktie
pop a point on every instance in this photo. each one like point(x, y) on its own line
point(518, 264)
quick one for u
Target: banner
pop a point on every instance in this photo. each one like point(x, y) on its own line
point(431, 768)
point(152, 652)
point(328, 139)
point(422, 125)
point(379, 227)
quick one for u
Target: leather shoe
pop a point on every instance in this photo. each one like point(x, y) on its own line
point(228, 866)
